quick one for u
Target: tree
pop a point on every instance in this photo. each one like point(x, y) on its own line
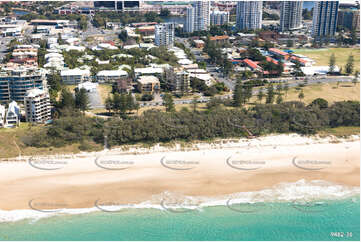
point(82, 23)
point(357, 73)
point(164, 12)
point(194, 104)
point(123, 36)
point(307, 14)
point(286, 88)
point(60, 39)
point(332, 63)
point(66, 99)
point(213, 103)
point(54, 84)
point(168, 102)
point(349, 65)
point(270, 94)
point(226, 66)
point(260, 95)
point(355, 79)
point(320, 102)
point(130, 103)
point(108, 104)
point(354, 37)
point(301, 95)
point(279, 88)
point(280, 68)
point(279, 98)
point(297, 68)
point(81, 99)
point(238, 95)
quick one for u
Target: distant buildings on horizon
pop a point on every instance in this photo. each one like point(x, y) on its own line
point(291, 15)
point(324, 21)
point(197, 16)
point(249, 15)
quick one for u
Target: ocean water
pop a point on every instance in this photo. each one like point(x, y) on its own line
point(320, 220)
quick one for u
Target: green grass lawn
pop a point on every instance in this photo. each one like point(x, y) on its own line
point(340, 131)
point(322, 56)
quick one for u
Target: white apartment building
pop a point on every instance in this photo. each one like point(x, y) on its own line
point(291, 15)
point(12, 115)
point(249, 15)
point(189, 23)
point(219, 17)
point(197, 16)
point(202, 12)
point(157, 71)
point(111, 75)
point(164, 34)
point(37, 106)
point(74, 76)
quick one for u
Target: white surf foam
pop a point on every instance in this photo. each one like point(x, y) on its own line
point(301, 190)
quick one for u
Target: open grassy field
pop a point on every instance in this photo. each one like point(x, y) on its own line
point(331, 92)
point(322, 56)
point(328, 91)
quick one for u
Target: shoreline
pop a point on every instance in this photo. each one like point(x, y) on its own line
point(209, 170)
point(185, 204)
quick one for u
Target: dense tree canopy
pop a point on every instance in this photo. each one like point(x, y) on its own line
point(156, 126)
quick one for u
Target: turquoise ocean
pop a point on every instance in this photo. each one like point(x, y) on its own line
point(337, 219)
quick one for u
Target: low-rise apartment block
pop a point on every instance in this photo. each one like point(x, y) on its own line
point(148, 84)
point(74, 76)
point(111, 75)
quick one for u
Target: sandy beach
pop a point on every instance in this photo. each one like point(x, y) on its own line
point(221, 168)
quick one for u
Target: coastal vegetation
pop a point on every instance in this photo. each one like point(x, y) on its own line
point(216, 122)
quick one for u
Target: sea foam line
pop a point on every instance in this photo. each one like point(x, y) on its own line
point(301, 190)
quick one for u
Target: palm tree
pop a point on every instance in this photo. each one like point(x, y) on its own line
point(301, 95)
point(260, 95)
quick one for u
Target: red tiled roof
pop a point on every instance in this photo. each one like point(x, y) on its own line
point(110, 42)
point(22, 60)
point(251, 63)
point(298, 59)
point(269, 59)
point(277, 51)
point(144, 23)
point(222, 37)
